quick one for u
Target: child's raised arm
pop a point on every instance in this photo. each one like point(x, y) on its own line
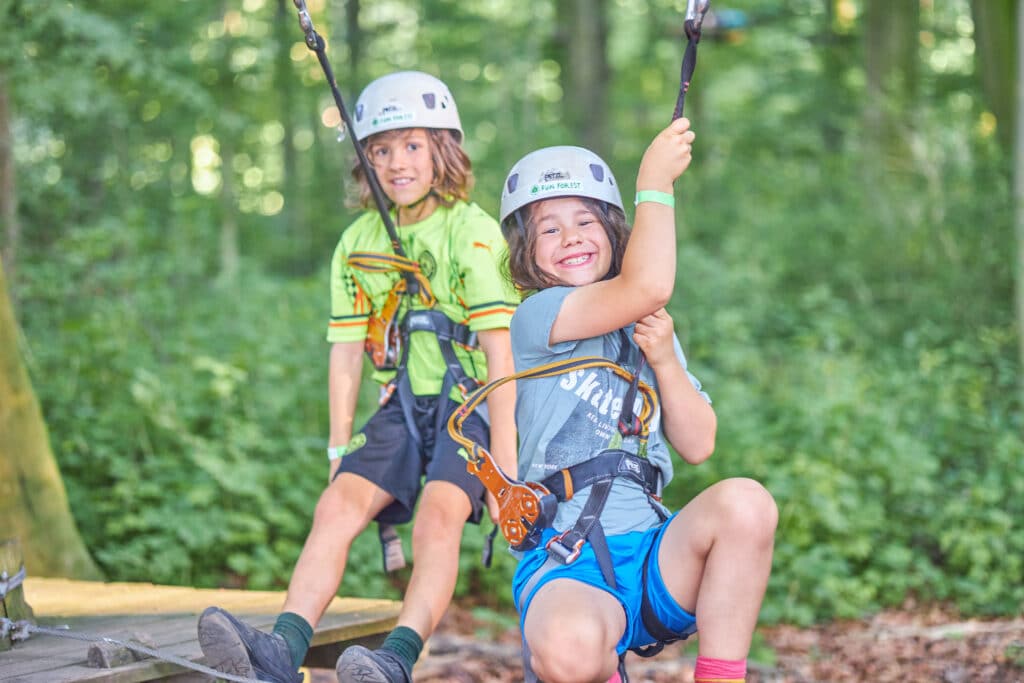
point(648, 273)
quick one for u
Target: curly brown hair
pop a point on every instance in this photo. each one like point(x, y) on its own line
point(522, 268)
point(453, 172)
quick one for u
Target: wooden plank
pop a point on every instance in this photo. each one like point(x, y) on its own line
point(168, 615)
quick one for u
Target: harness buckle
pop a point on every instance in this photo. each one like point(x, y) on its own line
point(562, 552)
point(467, 386)
point(386, 391)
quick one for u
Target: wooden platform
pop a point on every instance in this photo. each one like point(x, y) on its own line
point(167, 615)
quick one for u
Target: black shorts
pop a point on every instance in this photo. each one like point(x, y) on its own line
point(391, 459)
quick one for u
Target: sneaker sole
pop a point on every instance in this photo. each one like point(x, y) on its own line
point(357, 666)
point(222, 646)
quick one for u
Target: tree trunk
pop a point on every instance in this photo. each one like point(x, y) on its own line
point(354, 38)
point(585, 71)
point(229, 250)
point(293, 223)
point(994, 28)
point(831, 129)
point(8, 195)
point(890, 61)
point(33, 502)
point(229, 247)
point(1018, 191)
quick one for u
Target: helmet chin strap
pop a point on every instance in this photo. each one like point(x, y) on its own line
point(430, 193)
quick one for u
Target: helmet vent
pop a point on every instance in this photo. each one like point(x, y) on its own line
point(359, 112)
point(513, 182)
point(429, 100)
point(597, 171)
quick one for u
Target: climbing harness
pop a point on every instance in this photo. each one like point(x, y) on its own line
point(389, 329)
point(23, 629)
point(527, 508)
point(384, 341)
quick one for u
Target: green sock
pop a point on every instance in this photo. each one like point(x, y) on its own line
point(297, 632)
point(405, 643)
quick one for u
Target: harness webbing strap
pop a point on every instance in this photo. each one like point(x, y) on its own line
point(566, 546)
point(610, 463)
point(628, 424)
point(661, 633)
point(598, 473)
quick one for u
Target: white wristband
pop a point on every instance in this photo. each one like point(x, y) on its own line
point(335, 452)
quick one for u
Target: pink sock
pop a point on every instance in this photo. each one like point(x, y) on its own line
point(711, 670)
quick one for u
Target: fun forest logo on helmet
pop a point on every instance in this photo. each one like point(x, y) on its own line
point(554, 180)
point(392, 113)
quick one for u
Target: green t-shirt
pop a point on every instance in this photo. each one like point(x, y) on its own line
point(460, 250)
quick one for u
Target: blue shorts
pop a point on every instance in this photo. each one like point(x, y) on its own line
point(629, 552)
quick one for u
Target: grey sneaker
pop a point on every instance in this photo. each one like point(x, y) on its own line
point(358, 664)
point(233, 647)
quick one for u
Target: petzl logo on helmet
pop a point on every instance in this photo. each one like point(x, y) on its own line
point(555, 180)
point(554, 174)
point(392, 113)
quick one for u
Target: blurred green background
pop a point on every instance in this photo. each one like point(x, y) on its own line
point(846, 265)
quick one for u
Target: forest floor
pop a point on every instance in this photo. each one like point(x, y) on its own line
point(913, 644)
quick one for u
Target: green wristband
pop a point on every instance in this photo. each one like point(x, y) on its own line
point(335, 452)
point(654, 196)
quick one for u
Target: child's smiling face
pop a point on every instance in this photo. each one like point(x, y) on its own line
point(404, 165)
point(571, 243)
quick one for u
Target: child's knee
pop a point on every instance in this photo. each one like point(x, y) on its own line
point(749, 509)
point(343, 514)
point(569, 651)
point(437, 518)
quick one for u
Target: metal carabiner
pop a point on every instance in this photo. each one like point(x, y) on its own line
point(695, 11)
point(306, 22)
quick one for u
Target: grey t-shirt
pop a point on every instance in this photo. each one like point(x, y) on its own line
point(566, 419)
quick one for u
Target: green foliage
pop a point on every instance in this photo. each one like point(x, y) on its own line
point(849, 309)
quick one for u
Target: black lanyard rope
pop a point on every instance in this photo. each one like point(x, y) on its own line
point(316, 43)
point(695, 11)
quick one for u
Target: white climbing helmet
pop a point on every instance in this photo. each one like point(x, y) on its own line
point(405, 99)
point(563, 171)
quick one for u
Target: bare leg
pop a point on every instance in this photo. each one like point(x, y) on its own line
point(572, 630)
point(715, 559)
point(345, 508)
point(436, 535)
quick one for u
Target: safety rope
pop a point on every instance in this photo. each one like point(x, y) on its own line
point(21, 630)
point(316, 43)
point(372, 262)
point(647, 393)
point(695, 11)
point(9, 583)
